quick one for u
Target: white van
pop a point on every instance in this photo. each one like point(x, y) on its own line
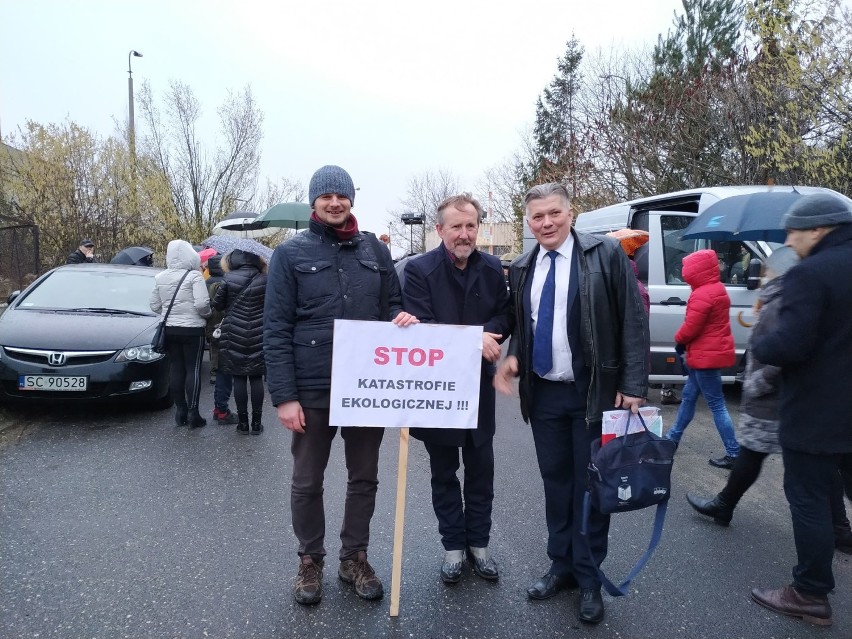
point(665, 217)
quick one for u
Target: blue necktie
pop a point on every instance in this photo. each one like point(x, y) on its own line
point(543, 339)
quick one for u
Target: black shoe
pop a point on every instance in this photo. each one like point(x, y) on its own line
point(451, 569)
point(591, 608)
point(843, 539)
point(195, 420)
point(550, 584)
point(726, 462)
point(180, 415)
point(256, 424)
point(669, 398)
point(242, 423)
point(716, 508)
point(483, 564)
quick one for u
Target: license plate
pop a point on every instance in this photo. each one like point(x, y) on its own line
point(52, 383)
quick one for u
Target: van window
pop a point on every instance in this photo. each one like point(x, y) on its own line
point(733, 256)
point(675, 248)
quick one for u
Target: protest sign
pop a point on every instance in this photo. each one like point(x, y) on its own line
point(420, 376)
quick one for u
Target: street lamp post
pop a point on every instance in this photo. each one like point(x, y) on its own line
point(131, 132)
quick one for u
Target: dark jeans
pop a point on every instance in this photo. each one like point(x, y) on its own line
point(185, 353)
point(809, 483)
point(468, 522)
point(310, 458)
point(562, 445)
point(222, 391)
point(747, 469)
point(241, 383)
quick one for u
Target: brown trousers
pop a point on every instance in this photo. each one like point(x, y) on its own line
point(310, 457)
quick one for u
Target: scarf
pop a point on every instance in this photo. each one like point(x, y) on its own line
point(345, 232)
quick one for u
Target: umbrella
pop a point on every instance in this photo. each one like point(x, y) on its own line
point(288, 215)
point(752, 216)
point(227, 243)
point(138, 255)
point(243, 224)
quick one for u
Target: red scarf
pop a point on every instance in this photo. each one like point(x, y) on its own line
point(345, 232)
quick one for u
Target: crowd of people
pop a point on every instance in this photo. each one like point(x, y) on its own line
point(577, 318)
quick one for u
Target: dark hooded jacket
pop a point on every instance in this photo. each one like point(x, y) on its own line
point(241, 296)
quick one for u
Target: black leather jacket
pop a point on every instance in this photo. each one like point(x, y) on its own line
point(614, 324)
point(314, 278)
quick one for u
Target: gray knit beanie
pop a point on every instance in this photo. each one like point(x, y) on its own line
point(331, 179)
point(818, 210)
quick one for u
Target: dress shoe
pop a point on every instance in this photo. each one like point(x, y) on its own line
point(726, 462)
point(451, 569)
point(550, 584)
point(483, 564)
point(788, 601)
point(716, 508)
point(591, 609)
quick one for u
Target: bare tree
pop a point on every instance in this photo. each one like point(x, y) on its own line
point(425, 192)
point(204, 183)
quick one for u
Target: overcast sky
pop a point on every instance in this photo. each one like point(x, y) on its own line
point(386, 89)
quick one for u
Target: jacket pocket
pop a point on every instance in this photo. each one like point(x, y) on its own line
point(312, 351)
point(315, 281)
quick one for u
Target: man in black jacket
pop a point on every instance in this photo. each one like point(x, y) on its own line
point(85, 253)
point(456, 284)
point(813, 346)
point(331, 271)
point(579, 345)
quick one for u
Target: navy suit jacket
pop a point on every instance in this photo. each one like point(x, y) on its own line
point(433, 293)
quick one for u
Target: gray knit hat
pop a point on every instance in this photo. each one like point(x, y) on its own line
point(818, 210)
point(331, 179)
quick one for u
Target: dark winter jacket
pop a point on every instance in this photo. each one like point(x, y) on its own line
point(434, 294)
point(241, 296)
point(613, 325)
point(78, 257)
point(706, 330)
point(813, 347)
point(315, 278)
point(214, 280)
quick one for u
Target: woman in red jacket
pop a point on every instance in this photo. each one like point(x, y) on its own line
point(706, 335)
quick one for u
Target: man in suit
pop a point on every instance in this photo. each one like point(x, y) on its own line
point(579, 346)
point(456, 284)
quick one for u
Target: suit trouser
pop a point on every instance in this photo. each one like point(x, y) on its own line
point(562, 444)
point(310, 458)
point(465, 523)
point(809, 481)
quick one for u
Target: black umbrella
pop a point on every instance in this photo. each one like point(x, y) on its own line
point(752, 216)
point(137, 255)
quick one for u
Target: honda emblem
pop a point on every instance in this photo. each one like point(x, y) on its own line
point(56, 359)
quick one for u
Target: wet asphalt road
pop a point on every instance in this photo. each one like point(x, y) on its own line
point(116, 523)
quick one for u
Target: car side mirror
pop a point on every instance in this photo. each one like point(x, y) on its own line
point(755, 267)
point(12, 296)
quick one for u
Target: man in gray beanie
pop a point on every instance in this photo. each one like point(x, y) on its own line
point(812, 343)
point(332, 271)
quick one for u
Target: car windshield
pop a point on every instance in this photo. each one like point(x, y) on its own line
point(72, 288)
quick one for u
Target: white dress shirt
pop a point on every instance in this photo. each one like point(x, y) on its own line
point(562, 370)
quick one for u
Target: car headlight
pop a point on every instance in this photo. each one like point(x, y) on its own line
point(139, 354)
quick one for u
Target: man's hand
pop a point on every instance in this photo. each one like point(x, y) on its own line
point(505, 373)
point(291, 416)
point(625, 401)
point(490, 347)
point(405, 319)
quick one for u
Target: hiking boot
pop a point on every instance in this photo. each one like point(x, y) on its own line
point(308, 588)
point(357, 571)
point(242, 424)
point(224, 417)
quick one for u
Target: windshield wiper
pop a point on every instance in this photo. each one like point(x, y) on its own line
point(101, 309)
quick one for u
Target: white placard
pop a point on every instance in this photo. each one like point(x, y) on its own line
point(421, 376)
